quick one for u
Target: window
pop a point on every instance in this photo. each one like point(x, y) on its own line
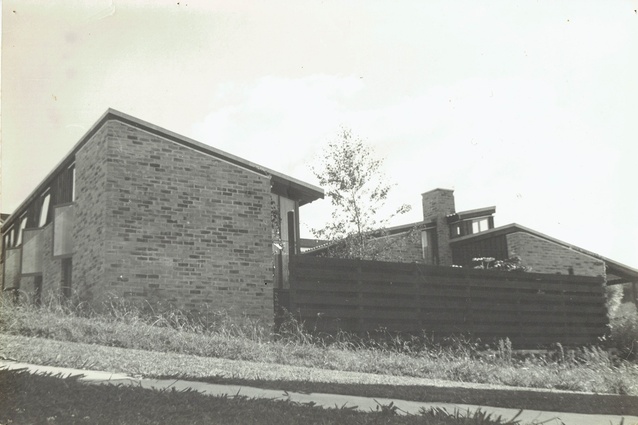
point(67, 270)
point(44, 209)
point(428, 245)
point(73, 183)
point(23, 225)
point(425, 246)
point(480, 225)
point(8, 239)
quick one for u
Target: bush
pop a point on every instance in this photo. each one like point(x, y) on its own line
point(624, 331)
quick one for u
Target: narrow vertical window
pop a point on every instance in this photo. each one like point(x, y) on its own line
point(72, 168)
point(8, 239)
point(23, 225)
point(67, 270)
point(425, 246)
point(44, 210)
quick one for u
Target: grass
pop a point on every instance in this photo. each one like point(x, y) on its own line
point(217, 336)
point(305, 380)
point(34, 399)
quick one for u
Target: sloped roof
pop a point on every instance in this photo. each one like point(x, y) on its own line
point(617, 272)
point(281, 183)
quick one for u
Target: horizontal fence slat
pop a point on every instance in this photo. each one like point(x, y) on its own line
point(330, 294)
point(335, 279)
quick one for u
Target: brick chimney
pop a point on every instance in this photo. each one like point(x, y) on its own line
point(437, 204)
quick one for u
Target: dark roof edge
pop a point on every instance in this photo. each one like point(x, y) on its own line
point(308, 191)
point(514, 227)
point(475, 213)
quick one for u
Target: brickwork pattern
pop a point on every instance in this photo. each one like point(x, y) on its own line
point(90, 216)
point(437, 204)
point(51, 267)
point(184, 228)
point(544, 256)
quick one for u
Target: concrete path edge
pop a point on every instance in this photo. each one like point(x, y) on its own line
point(320, 399)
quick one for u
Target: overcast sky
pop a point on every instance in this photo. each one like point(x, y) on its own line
point(531, 106)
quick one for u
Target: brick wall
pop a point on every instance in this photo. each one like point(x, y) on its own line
point(544, 256)
point(90, 219)
point(437, 204)
point(404, 248)
point(180, 226)
point(51, 267)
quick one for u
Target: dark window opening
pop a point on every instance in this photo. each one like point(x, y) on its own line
point(67, 269)
point(8, 238)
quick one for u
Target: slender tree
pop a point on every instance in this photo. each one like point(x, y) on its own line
point(356, 186)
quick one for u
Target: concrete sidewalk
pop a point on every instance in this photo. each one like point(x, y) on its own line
point(324, 400)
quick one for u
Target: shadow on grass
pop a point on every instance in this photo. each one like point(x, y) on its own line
point(604, 404)
point(28, 398)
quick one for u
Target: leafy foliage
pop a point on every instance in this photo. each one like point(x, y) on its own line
point(513, 264)
point(355, 184)
point(624, 331)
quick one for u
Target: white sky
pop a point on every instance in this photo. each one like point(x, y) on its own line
point(531, 106)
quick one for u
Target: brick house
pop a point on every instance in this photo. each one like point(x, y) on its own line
point(446, 237)
point(139, 212)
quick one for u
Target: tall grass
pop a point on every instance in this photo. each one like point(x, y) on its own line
point(216, 334)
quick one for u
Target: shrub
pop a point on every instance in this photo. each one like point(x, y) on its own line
point(624, 331)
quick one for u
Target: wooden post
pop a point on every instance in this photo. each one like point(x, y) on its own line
point(292, 234)
point(279, 276)
point(360, 308)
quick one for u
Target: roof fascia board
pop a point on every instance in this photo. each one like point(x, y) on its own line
point(476, 213)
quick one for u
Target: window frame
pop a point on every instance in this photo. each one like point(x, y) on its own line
point(45, 200)
point(22, 224)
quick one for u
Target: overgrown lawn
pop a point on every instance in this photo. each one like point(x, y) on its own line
point(586, 369)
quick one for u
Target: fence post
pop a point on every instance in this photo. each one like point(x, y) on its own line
point(418, 282)
point(292, 287)
point(469, 315)
point(360, 308)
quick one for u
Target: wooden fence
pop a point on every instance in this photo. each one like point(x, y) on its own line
point(531, 309)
